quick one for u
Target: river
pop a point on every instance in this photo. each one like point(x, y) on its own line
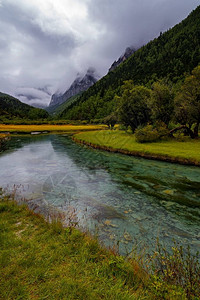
point(127, 201)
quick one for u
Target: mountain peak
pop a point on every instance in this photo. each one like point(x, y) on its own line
point(80, 84)
point(128, 52)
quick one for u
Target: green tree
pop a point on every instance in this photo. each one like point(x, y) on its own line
point(187, 102)
point(161, 102)
point(111, 120)
point(133, 110)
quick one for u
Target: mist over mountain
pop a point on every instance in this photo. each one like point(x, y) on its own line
point(37, 96)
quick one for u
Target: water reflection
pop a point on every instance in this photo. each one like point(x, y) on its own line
point(131, 199)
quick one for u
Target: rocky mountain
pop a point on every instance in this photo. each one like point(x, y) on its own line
point(80, 84)
point(128, 52)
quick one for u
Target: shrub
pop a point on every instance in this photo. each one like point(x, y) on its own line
point(96, 121)
point(146, 134)
point(179, 268)
point(162, 129)
point(151, 133)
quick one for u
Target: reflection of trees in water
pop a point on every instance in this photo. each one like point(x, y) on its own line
point(87, 160)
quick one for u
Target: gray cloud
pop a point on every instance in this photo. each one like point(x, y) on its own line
point(46, 43)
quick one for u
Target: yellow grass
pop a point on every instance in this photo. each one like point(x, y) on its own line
point(2, 136)
point(48, 127)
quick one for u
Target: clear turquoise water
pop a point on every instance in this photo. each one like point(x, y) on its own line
point(129, 201)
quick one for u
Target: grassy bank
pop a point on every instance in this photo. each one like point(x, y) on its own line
point(39, 260)
point(186, 152)
point(43, 261)
point(48, 128)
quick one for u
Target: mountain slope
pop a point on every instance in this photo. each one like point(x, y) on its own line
point(169, 56)
point(79, 85)
point(11, 108)
point(59, 108)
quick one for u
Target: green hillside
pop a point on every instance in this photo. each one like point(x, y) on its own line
point(170, 56)
point(11, 108)
point(59, 108)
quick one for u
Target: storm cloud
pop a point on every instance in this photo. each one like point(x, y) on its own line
point(44, 44)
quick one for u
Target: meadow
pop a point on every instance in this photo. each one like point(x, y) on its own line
point(181, 150)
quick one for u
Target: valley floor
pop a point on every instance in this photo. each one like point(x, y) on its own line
point(184, 151)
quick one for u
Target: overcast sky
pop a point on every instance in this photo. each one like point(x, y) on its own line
point(45, 43)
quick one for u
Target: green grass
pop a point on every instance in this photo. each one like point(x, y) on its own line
point(187, 150)
point(39, 260)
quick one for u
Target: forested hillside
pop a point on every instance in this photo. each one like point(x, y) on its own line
point(171, 56)
point(12, 108)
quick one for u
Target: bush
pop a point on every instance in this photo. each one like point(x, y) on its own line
point(179, 268)
point(151, 133)
point(96, 121)
point(146, 134)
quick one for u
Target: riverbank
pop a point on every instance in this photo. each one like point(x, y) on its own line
point(3, 139)
point(46, 128)
point(39, 260)
point(185, 152)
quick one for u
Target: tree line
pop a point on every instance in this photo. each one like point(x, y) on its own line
point(159, 105)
